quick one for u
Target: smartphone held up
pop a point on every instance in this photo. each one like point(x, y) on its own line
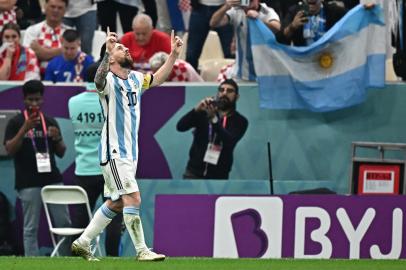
point(34, 111)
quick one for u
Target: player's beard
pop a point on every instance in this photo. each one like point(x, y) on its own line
point(127, 63)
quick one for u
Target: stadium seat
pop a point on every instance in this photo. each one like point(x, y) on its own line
point(68, 195)
point(211, 48)
point(99, 39)
point(210, 68)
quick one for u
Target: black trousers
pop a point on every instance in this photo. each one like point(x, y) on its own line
point(150, 9)
point(106, 14)
point(94, 187)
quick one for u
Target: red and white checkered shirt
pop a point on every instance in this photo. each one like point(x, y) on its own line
point(182, 71)
point(6, 17)
point(184, 5)
point(46, 36)
point(226, 72)
point(24, 65)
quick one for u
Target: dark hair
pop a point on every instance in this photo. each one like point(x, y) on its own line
point(70, 35)
point(65, 1)
point(12, 26)
point(230, 82)
point(33, 87)
point(91, 72)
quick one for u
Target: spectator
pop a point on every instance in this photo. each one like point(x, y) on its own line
point(107, 13)
point(17, 63)
point(87, 119)
point(33, 139)
point(199, 27)
point(306, 22)
point(7, 13)
point(144, 41)
point(71, 66)
point(28, 13)
point(44, 37)
point(235, 14)
point(82, 15)
point(182, 71)
point(217, 129)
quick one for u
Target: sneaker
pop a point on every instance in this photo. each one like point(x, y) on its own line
point(82, 251)
point(148, 255)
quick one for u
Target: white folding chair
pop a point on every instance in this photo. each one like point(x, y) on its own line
point(211, 49)
point(68, 195)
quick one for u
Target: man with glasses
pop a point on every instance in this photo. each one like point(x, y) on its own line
point(217, 129)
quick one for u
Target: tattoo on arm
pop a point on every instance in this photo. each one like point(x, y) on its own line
point(102, 71)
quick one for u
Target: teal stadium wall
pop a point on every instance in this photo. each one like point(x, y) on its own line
point(309, 150)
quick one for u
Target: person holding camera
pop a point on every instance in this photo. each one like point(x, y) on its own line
point(236, 13)
point(33, 139)
point(217, 128)
point(308, 21)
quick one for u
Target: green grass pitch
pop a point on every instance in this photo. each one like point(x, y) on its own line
point(127, 263)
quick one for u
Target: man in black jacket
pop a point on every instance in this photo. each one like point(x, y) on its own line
point(308, 21)
point(217, 129)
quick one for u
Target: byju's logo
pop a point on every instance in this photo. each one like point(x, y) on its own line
point(248, 227)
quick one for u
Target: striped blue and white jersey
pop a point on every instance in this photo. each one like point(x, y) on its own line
point(120, 100)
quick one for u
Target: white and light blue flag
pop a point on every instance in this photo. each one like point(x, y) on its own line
point(330, 74)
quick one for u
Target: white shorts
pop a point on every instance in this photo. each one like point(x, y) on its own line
point(119, 178)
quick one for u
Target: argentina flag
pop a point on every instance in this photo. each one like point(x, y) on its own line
point(332, 73)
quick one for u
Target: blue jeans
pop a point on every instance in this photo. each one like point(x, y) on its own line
point(85, 25)
point(199, 27)
point(31, 204)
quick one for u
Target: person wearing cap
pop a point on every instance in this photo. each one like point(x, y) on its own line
point(217, 128)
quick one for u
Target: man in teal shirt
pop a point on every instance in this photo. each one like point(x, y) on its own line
point(87, 119)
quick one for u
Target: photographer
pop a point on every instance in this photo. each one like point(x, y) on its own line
point(236, 13)
point(217, 129)
point(308, 21)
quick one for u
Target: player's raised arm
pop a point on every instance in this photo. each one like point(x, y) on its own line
point(163, 72)
point(104, 66)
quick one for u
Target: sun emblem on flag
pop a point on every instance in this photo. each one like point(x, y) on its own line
point(326, 60)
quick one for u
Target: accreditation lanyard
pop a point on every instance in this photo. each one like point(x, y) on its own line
point(43, 159)
point(213, 150)
point(31, 132)
point(211, 130)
